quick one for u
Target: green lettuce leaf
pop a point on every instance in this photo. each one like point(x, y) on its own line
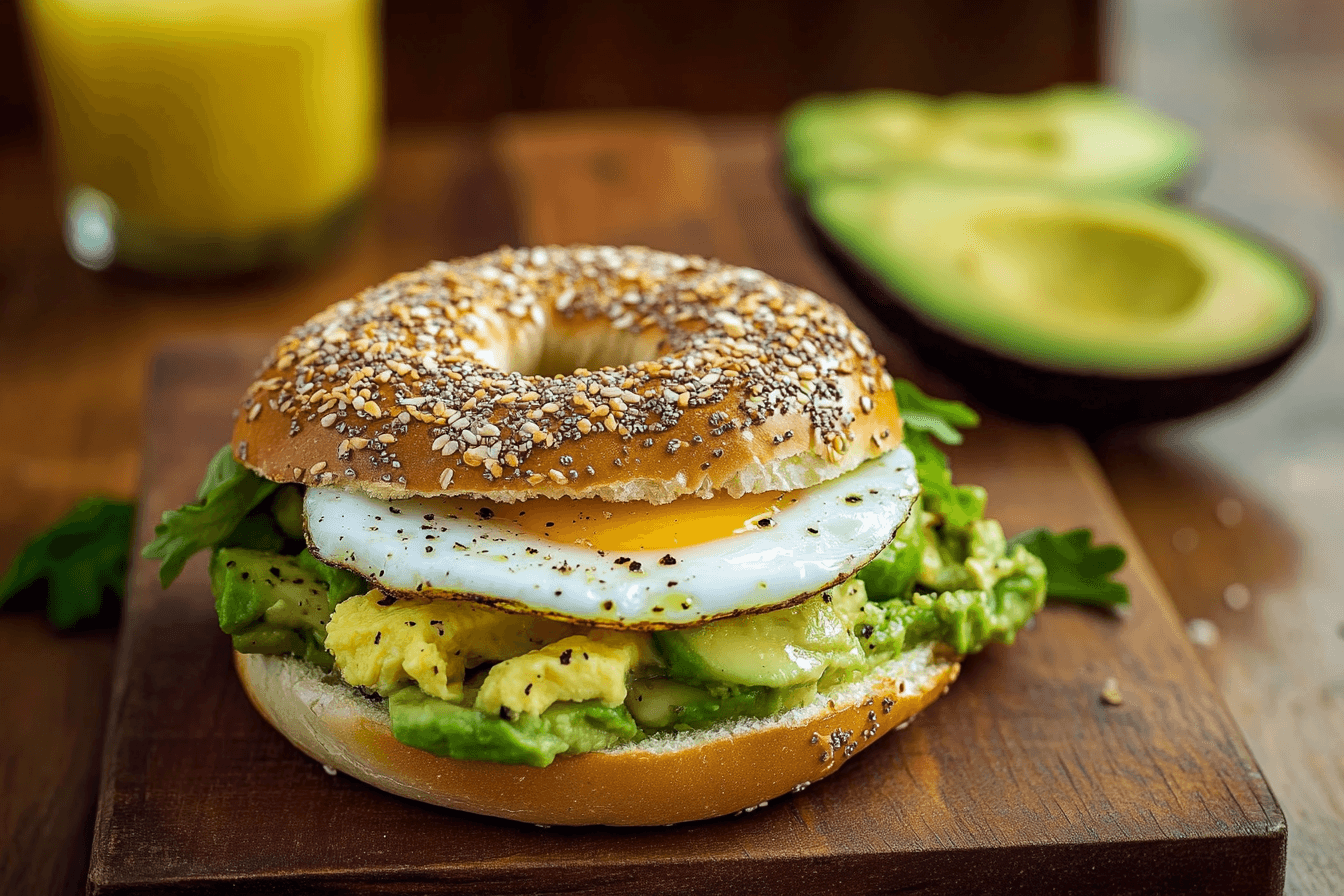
point(81, 558)
point(1076, 570)
point(226, 496)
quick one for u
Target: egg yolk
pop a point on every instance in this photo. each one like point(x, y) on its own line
point(628, 526)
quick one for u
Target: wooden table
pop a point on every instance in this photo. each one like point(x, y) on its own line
point(84, 340)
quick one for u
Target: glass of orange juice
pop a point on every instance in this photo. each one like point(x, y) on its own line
point(207, 137)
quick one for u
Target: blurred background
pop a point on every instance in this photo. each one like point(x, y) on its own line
point(392, 139)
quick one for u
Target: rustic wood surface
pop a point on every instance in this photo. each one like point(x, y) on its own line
point(1019, 780)
point(435, 199)
point(1243, 511)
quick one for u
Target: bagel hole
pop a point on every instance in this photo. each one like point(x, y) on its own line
point(559, 351)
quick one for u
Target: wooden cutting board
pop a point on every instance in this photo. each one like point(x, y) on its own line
point(1019, 781)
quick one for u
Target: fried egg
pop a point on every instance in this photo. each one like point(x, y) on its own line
point(626, 565)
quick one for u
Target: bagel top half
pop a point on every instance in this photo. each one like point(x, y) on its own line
point(620, 373)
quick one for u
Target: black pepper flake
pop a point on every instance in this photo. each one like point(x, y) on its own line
point(667, 560)
point(528, 689)
point(245, 576)
point(275, 571)
point(887, 704)
point(620, 560)
point(866, 631)
point(387, 601)
point(394, 509)
point(607, 605)
point(484, 513)
point(853, 499)
point(231, 564)
point(429, 549)
point(377, 636)
point(672, 584)
point(765, 523)
point(635, 566)
point(410, 622)
point(506, 714)
point(566, 656)
point(811, 531)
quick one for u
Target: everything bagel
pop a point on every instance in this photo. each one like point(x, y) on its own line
point(460, 547)
point(625, 374)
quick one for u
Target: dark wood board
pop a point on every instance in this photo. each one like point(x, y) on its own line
point(1019, 781)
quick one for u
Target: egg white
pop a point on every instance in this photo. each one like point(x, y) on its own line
point(415, 547)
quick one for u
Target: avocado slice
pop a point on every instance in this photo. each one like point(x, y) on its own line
point(784, 648)
point(1056, 306)
point(664, 703)
point(1085, 138)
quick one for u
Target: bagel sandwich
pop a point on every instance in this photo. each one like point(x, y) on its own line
point(593, 535)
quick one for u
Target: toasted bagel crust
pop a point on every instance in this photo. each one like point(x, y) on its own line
point(664, 780)
point(717, 378)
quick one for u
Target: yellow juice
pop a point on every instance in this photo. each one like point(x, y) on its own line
point(213, 134)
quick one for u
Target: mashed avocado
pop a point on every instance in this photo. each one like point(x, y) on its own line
point(472, 682)
point(469, 681)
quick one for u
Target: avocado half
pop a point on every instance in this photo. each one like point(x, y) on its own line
point(1088, 138)
point(1058, 307)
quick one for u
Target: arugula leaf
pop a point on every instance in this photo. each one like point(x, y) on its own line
point(228, 493)
point(1075, 569)
point(81, 557)
point(926, 418)
point(958, 505)
point(937, 416)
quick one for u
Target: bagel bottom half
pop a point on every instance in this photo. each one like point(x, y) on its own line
point(669, 778)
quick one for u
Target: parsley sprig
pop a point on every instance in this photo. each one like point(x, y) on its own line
point(81, 558)
point(1076, 570)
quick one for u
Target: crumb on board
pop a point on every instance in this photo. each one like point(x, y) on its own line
point(1110, 692)
point(1237, 596)
point(1201, 632)
point(1185, 540)
point(1229, 512)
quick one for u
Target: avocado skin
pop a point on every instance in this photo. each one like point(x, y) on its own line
point(1091, 403)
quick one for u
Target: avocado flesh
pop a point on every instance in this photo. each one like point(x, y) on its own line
point(964, 587)
point(785, 648)
point(1092, 284)
point(274, 603)
point(1085, 138)
point(447, 729)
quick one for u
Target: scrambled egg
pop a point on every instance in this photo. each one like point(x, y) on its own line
point(581, 667)
point(433, 644)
